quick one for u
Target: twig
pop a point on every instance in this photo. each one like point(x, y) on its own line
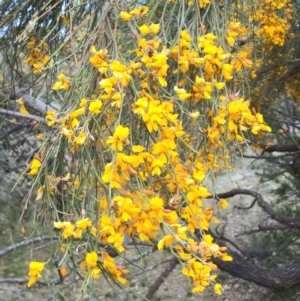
point(160, 280)
point(223, 238)
point(290, 221)
point(28, 116)
point(144, 254)
point(26, 243)
point(260, 228)
point(267, 157)
point(16, 291)
point(132, 276)
point(249, 207)
point(24, 281)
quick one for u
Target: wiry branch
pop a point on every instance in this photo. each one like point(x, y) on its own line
point(162, 277)
point(148, 269)
point(27, 116)
point(24, 281)
point(261, 228)
point(26, 243)
point(290, 221)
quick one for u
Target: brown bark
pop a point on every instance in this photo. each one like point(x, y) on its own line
point(281, 148)
point(282, 278)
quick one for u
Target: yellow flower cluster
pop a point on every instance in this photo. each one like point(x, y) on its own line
point(146, 170)
point(235, 29)
point(37, 58)
point(273, 27)
point(137, 12)
point(92, 265)
point(238, 118)
point(74, 230)
point(62, 84)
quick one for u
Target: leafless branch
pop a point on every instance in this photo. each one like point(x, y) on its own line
point(261, 228)
point(152, 267)
point(26, 243)
point(162, 277)
point(15, 291)
point(245, 208)
point(27, 116)
point(280, 148)
point(290, 221)
point(265, 157)
point(24, 281)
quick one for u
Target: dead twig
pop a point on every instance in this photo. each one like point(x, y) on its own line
point(162, 277)
point(26, 243)
point(27, 116)
point(261, 228)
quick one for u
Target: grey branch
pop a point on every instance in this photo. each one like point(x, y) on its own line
point(28, 116)
point(26, 243)
point(261, 228)
point(24, 280)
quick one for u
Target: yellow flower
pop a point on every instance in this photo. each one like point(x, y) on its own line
point(120, 72)
point(204, 3)
point(61, 225)
point(125, 16)
point(35, 166)
point(144, 29)
point(23, 110)
point(165, 242)
point(95, 273)
point(80, 139)
point(83, 102)
point(117, 97)
point(120, 134)
point(84, 223)
point(68, 133)
point(182, 94)
point(227, 71)
point(91, 259)
point(50, 117)
point(35, 269)
point(154, 28)
point(40, 136)
point(223, 203)
point(195, 115)
point(137, 148)
point(99, 59)
point(62, 84)
point(139, 11)
point(113, 269)
point(95, 107)
point(218, 289)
